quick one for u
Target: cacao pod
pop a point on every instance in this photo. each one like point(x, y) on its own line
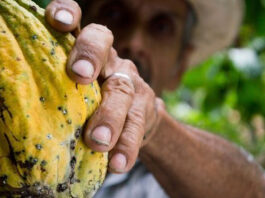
point(42, 111)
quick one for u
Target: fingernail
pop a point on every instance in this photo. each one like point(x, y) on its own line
point(101, 135)
point(64, 16)
point(118, 162)
point(83, 68)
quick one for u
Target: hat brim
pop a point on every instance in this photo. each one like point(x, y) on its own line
point(218, 23)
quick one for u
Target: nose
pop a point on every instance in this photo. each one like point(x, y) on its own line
point(134, 47)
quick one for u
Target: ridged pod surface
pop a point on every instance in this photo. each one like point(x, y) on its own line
point(42, 111)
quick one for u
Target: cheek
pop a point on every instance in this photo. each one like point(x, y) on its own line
point(164, 64)
point(164, 61)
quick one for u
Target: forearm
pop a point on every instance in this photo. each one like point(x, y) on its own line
point(190, 163)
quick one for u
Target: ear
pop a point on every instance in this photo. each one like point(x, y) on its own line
point(181, 67)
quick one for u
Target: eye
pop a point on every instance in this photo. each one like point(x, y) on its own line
point(162, 26)
point(112, 14)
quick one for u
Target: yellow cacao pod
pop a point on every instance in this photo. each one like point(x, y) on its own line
point(42, 111)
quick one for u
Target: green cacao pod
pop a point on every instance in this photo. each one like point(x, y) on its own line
point(42, 111)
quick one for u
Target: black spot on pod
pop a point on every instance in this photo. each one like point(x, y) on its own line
point(28, 163)
point(33, 160)
point(38, 146)
point(65, 111)
point(62, 187)
point(52, 52)
point(34, 8)
point(69, 121)
point(34, 37)
point(3, 180)
point(25, 175)
point(73, 162)
point(52, 42)
point(72, 145)
point(42, 99)
point(72, 177)
point(78, 133)
point(42, 165)
point(17, 152)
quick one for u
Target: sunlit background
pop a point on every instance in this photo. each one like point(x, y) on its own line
point(226, 93)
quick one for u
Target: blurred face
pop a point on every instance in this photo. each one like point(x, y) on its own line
point(149, 32)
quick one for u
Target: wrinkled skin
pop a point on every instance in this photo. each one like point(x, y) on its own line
point(152, 40)
point(187, 162)
point(151, 37)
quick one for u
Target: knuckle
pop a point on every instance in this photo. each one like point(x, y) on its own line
point(130, 140)
point(160, 102)
point(89, 50)
point(109, 116)
point(114, 54)
point(84, 48)
point(136, 115)
point(151, 93)
point(101, 29)
point(105, 110)
point(136, 118)
point(119, 85)
point(130, 65)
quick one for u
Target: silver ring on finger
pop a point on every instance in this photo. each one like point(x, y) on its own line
point(122, 75)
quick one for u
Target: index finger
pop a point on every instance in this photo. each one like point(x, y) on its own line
point(63, 15)
point(90, 53)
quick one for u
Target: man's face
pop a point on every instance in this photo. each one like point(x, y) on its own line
point(148, 32)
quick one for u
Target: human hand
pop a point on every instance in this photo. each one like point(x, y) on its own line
point(129, 107)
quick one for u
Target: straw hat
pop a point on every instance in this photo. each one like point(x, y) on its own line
point(218, 22)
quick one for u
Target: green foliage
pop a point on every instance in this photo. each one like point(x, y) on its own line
point(255, 16)
point(42, 3)
point(226, 93)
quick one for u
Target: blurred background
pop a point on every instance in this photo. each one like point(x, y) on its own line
point(226, 94)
